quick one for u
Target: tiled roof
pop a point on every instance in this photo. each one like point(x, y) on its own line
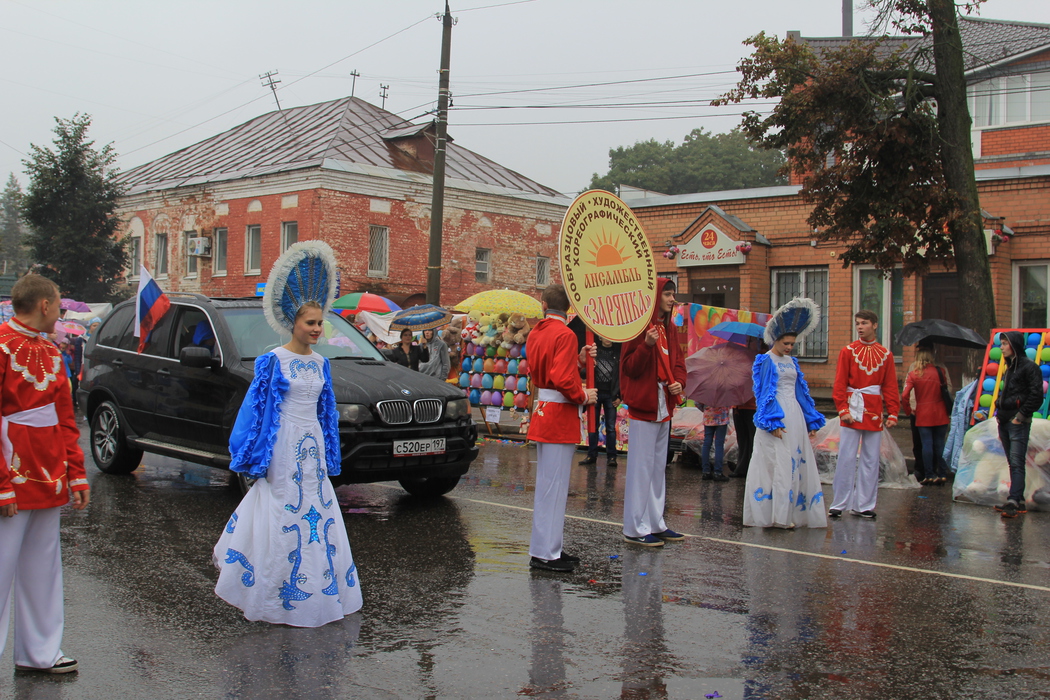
point(986, 41)
point(345, 134)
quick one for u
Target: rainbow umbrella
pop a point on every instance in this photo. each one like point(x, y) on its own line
point(420, 318)
point(501, 301)
point(365, 301)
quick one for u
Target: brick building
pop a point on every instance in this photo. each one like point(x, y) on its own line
point(1008, 71)
point(350, 174)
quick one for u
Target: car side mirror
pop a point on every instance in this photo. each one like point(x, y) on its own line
point(197, 357)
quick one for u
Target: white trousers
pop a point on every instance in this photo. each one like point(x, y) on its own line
point(645, 490)
point(31, 570)
point(553, 464)
point(856, 484)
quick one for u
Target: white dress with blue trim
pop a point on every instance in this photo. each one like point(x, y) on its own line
point(284, 557)
point(783, 486)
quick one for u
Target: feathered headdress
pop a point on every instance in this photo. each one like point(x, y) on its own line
point(798, 317)
point(306, 272)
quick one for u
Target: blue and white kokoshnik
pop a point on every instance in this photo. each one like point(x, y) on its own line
point(798, 317)
point(305, 272)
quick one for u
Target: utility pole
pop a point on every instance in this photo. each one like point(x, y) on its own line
point(267, 79)
point(437, 206)
point(383, 93)
point(353, 85)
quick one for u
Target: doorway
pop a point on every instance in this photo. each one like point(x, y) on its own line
point(940, 299)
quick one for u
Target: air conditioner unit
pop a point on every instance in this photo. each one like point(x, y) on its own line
point(200, 247)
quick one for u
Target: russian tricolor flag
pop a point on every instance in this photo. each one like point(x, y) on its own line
point(150, 306)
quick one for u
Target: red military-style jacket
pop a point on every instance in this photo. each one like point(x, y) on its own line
point(863, 365)
point(553, 364)
point(40, 461)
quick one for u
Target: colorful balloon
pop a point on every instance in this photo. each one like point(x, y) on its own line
point(497, 398)
point(988, 385)
point(464, 380)
point(992, 368)
point(1044, 354)
point(475, 397)
point(486, 381)
point(996, 340)
point(985, 400)
point(523, 367)
point(486, 398)
point(470, 348)
point(490, 351)
point(995, 354)
point(521, 400)
point(515, 350)
point(512, 367)
point(501, 351)
point(479, 365)
point(1030, 352)
point(523, 351)
point(475, 380)
point(498, 381)
point(490, 365)
point(511, 383)
point(508, 399)
point(479, 351)
point(1045, 369)
point(1033, 339)
point(500, 366)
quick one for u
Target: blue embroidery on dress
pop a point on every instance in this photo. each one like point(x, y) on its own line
point(297, 365)
point(301, 453)
point(329, 548)
point(817, 498)
point(761, 495)
point(248, 577)
point(289, 589)
point(322, 477)
point(350, 579)
point(312, 517)
point(233, 522)
point(801, 501)
point(791, 496)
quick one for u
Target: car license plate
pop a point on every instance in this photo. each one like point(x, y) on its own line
point(414, 448)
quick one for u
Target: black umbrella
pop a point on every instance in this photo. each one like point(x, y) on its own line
point(936, 330)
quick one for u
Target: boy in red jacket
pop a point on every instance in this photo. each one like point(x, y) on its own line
point(652, 377)
point(41, 464)
point(554, 368)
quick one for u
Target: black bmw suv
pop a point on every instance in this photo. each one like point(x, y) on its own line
point(181, 395)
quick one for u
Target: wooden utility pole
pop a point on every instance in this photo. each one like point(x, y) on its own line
point(437, 206)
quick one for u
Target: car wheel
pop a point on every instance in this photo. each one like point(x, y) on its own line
point(109, 444)
point(430, 486)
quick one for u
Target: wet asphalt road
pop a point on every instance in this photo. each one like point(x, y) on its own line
point(932, 600)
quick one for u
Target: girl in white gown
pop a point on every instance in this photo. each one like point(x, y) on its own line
point(284, 556)
point(783, 487)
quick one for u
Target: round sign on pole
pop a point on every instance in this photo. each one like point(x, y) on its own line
point(607, 266)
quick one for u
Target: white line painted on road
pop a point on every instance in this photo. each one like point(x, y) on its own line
point(898, 567)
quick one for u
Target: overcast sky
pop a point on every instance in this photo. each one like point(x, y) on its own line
point(159, 76)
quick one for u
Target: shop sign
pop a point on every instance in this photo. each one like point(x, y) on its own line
point(607, 266)
point(710, 247)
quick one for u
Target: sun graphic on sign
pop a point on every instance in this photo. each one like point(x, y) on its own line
point(604, 251)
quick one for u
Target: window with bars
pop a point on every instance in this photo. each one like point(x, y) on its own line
point(543, 271)
point(191, 260)
point(289, 234)
point(482, 264)
point(134, 256)
point(789, 283)
point(253, 250)
point(160, 267)
point(378, 251)
point(218, 253)
point(1011, 99)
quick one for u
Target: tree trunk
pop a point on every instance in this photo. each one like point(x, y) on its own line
point(953, 118)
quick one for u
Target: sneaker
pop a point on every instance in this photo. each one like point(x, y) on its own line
point(611, 462)
point(721, 477)
point(669, 535)
point(588, 460)
point(63, 665)
point(707, 476)
point(870, 514)
point(835, 513)
point(1009, 510)
point(645, 541)
point(561, 564)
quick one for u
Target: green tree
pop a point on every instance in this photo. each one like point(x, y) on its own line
point(71, 206)
point(12, 246)
point(881, 137)
point(703, 162)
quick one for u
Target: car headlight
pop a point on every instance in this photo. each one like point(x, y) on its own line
point(353, 413)
point(457, 408)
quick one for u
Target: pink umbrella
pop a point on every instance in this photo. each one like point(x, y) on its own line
point(70, 327)
point(720, 375)
point(75, 306)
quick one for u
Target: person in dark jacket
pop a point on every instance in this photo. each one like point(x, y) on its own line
point(607, 382)
point(1020, 395)
point(408, 354)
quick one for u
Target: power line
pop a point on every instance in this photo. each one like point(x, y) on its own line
point(610, 121)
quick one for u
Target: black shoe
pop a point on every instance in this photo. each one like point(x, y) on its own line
point(569, 557)
point(870, 514)
point(835, 513)
point(669, 535)
point(721, 477)
point(63, 665)
point(645, 540)
point(707, 476)
point(588, 460)
point(611, 462)
point(561, 564)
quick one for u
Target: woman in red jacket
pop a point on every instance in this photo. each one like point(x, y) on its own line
point(931, 415)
